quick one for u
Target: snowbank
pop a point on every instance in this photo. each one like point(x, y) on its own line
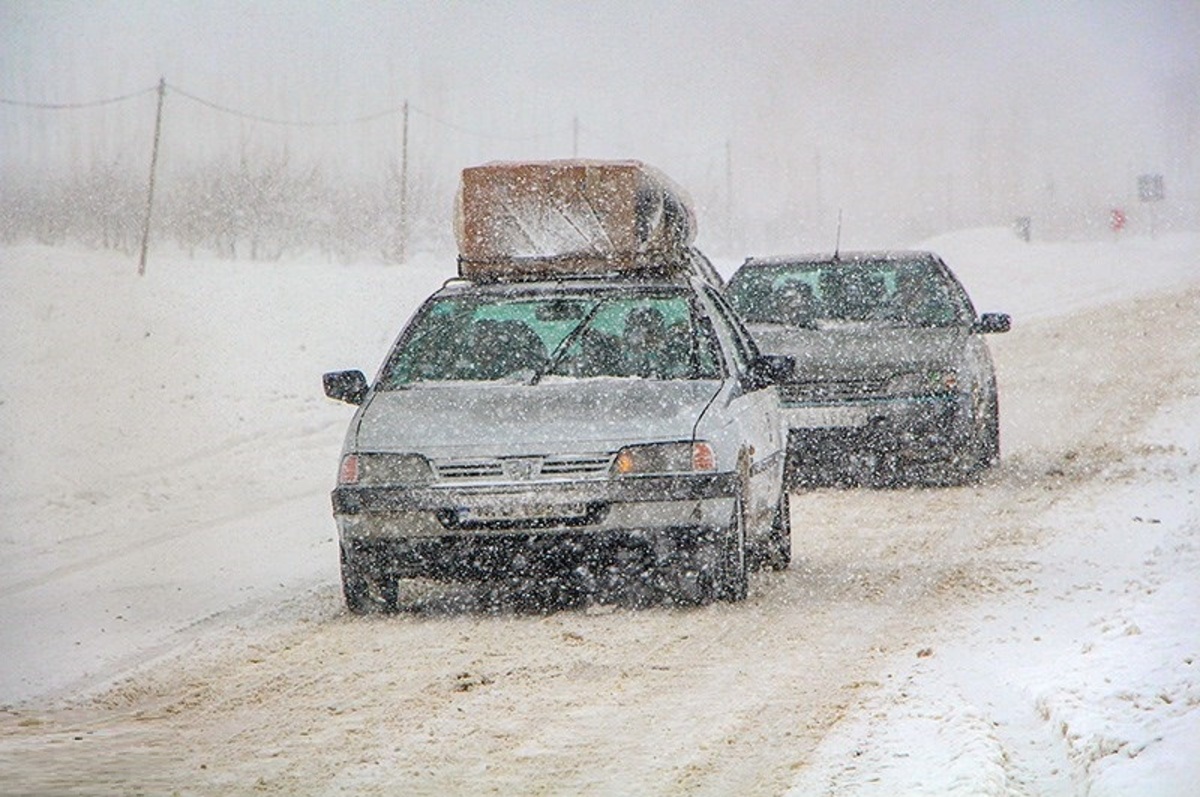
point(1103, 672)
point(1036, 280)
point(165, 448)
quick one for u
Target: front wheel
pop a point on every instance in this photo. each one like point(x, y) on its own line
point(365, 590)
point(978, 451)
point(715, 569)
point(982, 450)
point(735, 579)
point(778, 554)
point(990, 442)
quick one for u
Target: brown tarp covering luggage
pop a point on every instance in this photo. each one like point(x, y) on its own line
point(579, 216)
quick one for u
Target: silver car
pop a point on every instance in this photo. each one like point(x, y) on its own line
point(893, 379)
point(584, 428)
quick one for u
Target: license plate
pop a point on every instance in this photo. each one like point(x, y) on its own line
point(521, 512)
point(826, 417)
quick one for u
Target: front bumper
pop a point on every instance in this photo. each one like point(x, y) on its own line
point(408, 520)
point(477, 530)
point(592, 554)
point(904, 431)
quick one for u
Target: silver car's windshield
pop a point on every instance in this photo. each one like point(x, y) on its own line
point(529, 338)
point(813, 294)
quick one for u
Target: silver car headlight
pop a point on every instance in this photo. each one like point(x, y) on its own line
point(685, 457)
point(385, 469)
point(924, 383)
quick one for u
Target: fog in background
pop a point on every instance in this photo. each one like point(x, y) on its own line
point(908, 118)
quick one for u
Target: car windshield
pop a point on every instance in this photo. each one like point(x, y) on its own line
point(530, 338)
point(808, 294)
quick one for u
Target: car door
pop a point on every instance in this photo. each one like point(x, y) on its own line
point(751, 412)
point(976, 357)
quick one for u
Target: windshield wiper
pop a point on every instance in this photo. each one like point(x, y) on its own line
point(556, 356)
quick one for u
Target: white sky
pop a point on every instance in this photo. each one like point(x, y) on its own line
point(938, 109)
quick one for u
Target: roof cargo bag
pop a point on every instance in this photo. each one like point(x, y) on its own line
point(529, 219)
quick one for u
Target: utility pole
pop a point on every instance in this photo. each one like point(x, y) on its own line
point(162, 90)
point(729, 195)
point(818, 195)
point(403, 242)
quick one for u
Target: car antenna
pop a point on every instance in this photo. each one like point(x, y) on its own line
point(837, 244)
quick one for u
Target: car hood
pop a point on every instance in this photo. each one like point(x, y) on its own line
point(857, 351)
point(489, 419)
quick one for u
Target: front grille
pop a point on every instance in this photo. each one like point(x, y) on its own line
point(833, 390)
point(576, 466)
point(523, 468)
point(472, 469)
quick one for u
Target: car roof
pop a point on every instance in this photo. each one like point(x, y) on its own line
point(569, 284)
point(843, 258)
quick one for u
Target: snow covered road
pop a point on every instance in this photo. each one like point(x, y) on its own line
point(1031, 635)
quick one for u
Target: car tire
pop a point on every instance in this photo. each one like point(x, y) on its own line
point(990, 444)
point(778, 555)
point(366, 592)
point(696, 573)
point(984, 445)
point(979, 451)
point(735, 578)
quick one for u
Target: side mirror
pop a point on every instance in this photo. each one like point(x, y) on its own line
point(770, 369)
point(348, 386)
point(992, 322)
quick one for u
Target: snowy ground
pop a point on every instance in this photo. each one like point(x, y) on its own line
point(169, 616)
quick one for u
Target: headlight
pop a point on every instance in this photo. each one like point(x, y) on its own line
point(381, 469)
point(923, 383)
point(664, 458)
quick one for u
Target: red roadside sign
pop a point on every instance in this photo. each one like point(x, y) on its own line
point(1116, 219)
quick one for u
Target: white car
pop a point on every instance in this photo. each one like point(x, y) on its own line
point(583, 427)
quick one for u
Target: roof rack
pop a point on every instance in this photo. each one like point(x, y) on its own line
point(572, 267)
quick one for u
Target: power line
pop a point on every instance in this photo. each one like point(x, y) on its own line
point(70, 106)
point(371, 117)
point(285, 122)
point(399, 109)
